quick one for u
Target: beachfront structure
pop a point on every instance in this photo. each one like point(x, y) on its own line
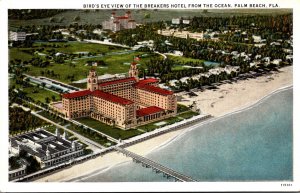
point(117, 23)
point(17, 173)
point(20, 171)
point(47, 148)
point(121, 102)
point(17, 36)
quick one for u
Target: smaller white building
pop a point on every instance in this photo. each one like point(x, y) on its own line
point(176, 21)
point(17, 36)
point(256, 39)
point(186, 21)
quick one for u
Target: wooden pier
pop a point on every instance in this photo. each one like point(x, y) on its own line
point(158, 168)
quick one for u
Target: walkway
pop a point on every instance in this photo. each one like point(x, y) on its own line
point(155, 166)
point(163, 55)
point(105, 43)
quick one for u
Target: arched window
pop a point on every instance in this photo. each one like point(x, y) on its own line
point(94, 81)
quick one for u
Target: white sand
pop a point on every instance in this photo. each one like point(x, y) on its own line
point(231, 97)
point(108, 160)
point(228, 98)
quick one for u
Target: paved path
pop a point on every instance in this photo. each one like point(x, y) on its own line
point(163, 55)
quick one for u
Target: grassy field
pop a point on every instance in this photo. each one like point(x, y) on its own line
point(17, 53)
point(68, 48)
point(182, 108)
point(152, 126)
point(41, 94)
point(97, 16)
point(111, 131)
point(184, 59)
point(118, 133)
point(114, 63)
point(71, 47)
point(90, 135)
point(38, 94)
point(188, 114)
point(49, 116)
point(52, 129)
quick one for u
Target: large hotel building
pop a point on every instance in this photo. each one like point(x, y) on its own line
point(122, 102)
point(117, 23)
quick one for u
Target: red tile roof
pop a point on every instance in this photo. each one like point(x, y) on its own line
point(117, 81)
point(146, 81)
point(77, 94)
point(112, 98)
point(155, 89)
point(148, 111)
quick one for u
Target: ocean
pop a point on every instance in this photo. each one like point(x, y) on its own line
point(255, 144)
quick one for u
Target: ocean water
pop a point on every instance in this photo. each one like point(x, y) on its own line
point(251, 145)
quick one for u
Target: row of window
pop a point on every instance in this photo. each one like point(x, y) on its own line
point(57, 161)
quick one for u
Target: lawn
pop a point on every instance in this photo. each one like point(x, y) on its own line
point(184, 59)
point(182, 108)
point(151, 126)
point(187, 115)
point(178, 67)
point(52, 129)
point(114, 64)
point(51, 117)
point(109, 130)
point(37, 94)
point(17, 53)
point(72, 47)
point(41, 94)
point(90, 135)
point(68, 48)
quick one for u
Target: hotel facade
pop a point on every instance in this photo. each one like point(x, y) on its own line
point(117, 23)
point(123, 102)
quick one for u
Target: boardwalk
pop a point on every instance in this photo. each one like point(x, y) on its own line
point(155, 166)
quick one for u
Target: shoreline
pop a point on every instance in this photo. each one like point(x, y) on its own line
point(242, 109)
point(232, 97)
point(113, 159)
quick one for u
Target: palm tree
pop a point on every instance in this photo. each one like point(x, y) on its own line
point(53, 97)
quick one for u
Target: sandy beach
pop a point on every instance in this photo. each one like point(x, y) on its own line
point(235, 96)
point(228, 98)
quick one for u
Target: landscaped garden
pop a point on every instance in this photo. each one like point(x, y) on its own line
point(109, 130)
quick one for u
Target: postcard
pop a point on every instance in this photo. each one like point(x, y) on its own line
point(149, 96)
